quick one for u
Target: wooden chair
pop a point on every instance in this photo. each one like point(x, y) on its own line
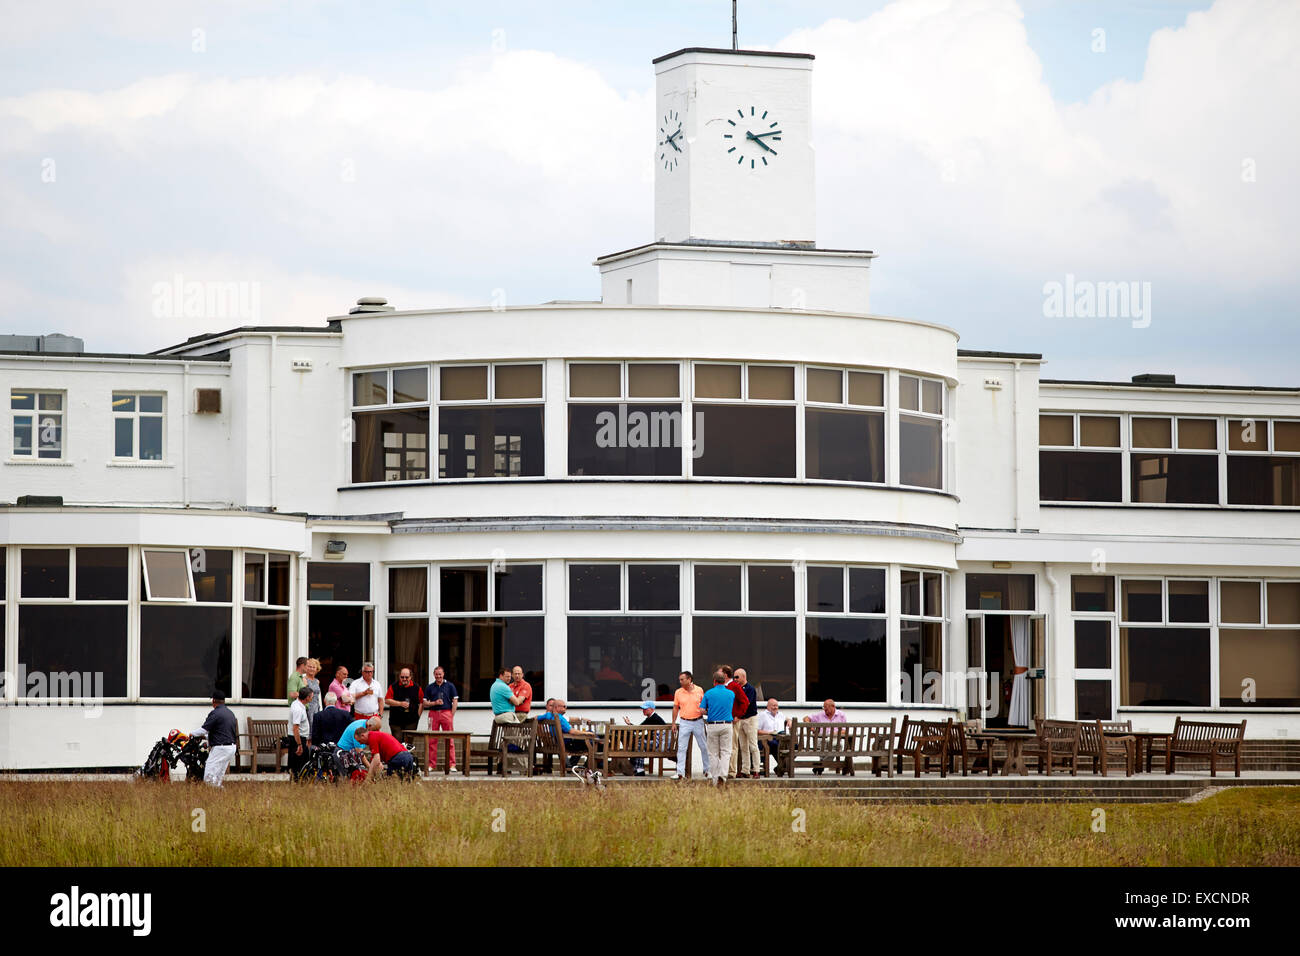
point(969, 752)
point(263, 737)
point(1056, 740)
point(550, 746)
point(1200, 738)
point(523, 738)
point(1100, 741)
point(921, 740)
point(487, 753)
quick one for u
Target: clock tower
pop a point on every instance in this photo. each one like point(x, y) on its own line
point(741, 169)
point(735, 205)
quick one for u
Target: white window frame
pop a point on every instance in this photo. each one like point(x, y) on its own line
point(134, 417)
point(35, 415)
point(149, 596)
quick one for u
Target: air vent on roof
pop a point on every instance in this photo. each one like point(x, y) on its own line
point(207, 401)
point(371, 303)
point(1153, 378)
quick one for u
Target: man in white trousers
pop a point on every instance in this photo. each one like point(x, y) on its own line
point(717, 702)
point(222, 731)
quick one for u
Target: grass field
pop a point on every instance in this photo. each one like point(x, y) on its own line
point(134, 824)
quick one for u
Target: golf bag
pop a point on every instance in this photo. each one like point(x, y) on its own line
point(177, 748)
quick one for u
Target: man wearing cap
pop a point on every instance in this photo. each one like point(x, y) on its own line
point(648, 712)
point(686, 705)
point(222, 731)
point(718, 702)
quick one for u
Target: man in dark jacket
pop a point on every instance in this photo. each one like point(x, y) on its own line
point(648, 711)
point(222, 730)
point(328, 724)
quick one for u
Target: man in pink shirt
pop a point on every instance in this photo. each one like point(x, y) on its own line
point(828, 715)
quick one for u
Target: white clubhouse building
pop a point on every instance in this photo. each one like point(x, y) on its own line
point(727, 459)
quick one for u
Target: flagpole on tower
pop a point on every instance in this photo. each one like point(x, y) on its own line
point(733, 25)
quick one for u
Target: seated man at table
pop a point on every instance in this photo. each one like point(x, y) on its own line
point(392, 753)
point(580, 741)
point(504, 700)
point(828, 715)
point(651, 718)
point(772, 725)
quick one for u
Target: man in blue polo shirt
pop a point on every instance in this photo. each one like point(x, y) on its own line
point(504, 700)
point(717, 704)
point(355, 736)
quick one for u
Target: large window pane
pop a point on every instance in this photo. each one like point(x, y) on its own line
point(519, 588)
point(151, 438)
point(1000, 592)
point(1167, 667)
point(1079, 476)
point(390, 445)
point(717, 587)
point(408, 646)
point(45, 573)
point(1092, 644)
point(466, 383)
point(1153, 433)
point(265, 670)
point(867, 388)
point(1284, 602)
point(1264, 662)
point(844, 445)
point(1263, 480)
point(1056, 430)
point(124, 438)
point(338, 581)
point(463, 589)
point(184, 650)
point(277, 579)
point(255, 577)
point(653, 587)
point(410, 385)
point(472, 649)
point(623, 658)
point(921, 654)
point(920, 451)
point(495, 441)
point(370, 388)
point(910, 592)
point(653, 380)
point(1286, 436)
point(845, 659)
point(764, 646)
point(595, 587)
point(1176, 479)
point(745, 441)
point(825, 385)
point(1098, 431)
point(101, 574)
point(622, 439)
point(72, 647)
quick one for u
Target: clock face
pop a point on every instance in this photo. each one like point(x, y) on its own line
point(752, 138)
point(672, 144)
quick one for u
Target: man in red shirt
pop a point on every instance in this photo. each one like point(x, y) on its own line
point(522, 689)
point(389, 751)
point(738, 709)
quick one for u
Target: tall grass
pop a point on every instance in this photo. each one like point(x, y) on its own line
point(137, 824)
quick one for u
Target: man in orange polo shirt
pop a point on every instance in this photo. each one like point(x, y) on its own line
point(686, 706)
point(521, 689)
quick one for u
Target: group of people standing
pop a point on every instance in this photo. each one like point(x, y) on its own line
point(722, 720)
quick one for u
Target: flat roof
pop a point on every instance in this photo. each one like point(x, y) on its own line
point(1171, 385)
point(222, 356)
point(329, 326)
point(729, 52)
point(721, 245)
point(979, 353)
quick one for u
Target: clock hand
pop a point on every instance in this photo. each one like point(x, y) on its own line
point(759, 142)
point(775, 132)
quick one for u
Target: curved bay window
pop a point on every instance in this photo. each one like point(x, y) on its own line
point(920, 632)
point(845, 634)
point(185, 642)
point(625, 418)
point(390, 424)
point(920, 431)
point(265, 670)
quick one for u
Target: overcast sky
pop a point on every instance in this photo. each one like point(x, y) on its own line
point(436, 152)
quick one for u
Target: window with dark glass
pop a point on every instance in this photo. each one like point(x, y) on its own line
point(72, 647)
point(472, 649)
point(44, 573)
point(265, 664)
point(1085, 472)
point(213, 573)
point(518, 587)
point(744, 439)
point(771, 587)
point(390, 443)
point(844, 653)
point(1092, 700)
point(463, 589)
point(595, 587)
point(1092, 644)
point(185, 650)
point(38, 423)
point(408, 646)
point(1164, 667)
point(920, 632)
point(1000, 592)
point(653, 587)
point(338, 581)
point(764, 646)
point(1169, 478)
point(1263, 462)
point(1092, 592)
point(1259, 664)
point(625, 435)
point(920, 431)
point(623, 657)
point(842, 440)
point(717, 587)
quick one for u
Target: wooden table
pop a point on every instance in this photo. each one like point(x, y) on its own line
point(1144, 739)
point(419, 740)
point(1015, 741)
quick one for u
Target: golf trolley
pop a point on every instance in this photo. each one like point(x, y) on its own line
point(176, 748)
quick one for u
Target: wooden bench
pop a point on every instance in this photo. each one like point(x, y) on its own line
point(1101, 740)
point(1200, 738)
point(263, 737)
point(1056, 740)
point(840, 743)
point(920, 740)
point(522, 737)
point(486, 752)
point(653, 742)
